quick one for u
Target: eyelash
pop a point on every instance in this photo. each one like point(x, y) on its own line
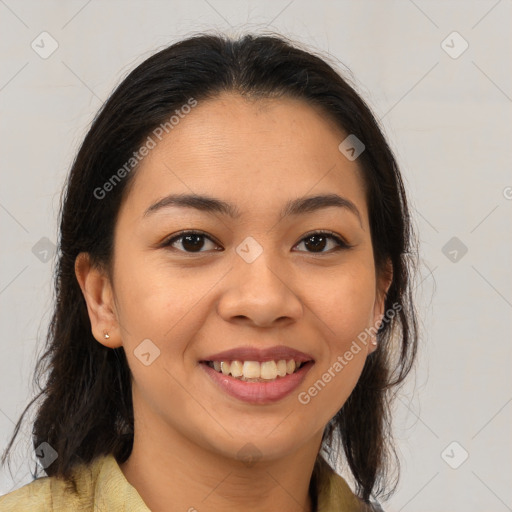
point(341, 243)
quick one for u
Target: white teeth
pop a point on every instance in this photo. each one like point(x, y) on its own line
point(251, 370)
point(290, 366)
point(254, 370)
point(281, 368)
point(237, 368)
point(269, 370)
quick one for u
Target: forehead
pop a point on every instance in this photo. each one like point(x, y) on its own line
point(256, 153)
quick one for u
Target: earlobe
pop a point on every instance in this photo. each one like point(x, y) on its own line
point(97, 291)
point(384, 282)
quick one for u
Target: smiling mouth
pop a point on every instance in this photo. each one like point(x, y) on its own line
point(254, 371)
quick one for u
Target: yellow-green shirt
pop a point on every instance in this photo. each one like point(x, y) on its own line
point(102, 487)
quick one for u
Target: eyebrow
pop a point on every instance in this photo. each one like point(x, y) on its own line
point(211, 205)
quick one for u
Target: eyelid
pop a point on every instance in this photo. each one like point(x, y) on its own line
point(340, 241)
point(181, 234)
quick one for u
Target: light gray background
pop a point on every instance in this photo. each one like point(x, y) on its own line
point(448, 121)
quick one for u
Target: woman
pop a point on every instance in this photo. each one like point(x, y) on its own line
point(233, 297)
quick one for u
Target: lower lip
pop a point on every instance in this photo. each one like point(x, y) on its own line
point(259, 392)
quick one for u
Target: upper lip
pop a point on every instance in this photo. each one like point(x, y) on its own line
point(248, 353)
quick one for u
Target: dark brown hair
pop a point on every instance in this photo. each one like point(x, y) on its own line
point(86, 404)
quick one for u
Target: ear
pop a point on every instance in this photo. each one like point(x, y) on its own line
point(97, 291)
point(383, 282)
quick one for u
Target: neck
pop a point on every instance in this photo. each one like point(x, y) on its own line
point(193, 478)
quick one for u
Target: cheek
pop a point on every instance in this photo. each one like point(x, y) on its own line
point(346, 311)
point(149, 293)
point(347, 303)
point(161, 303)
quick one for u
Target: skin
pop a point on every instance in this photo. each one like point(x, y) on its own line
point(257, 154)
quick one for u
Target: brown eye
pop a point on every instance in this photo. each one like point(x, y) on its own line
point(191, 241)
point(316, 242)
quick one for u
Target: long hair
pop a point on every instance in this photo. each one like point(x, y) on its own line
point(86, 405)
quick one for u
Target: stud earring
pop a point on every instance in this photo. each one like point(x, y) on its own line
point(374, 341)
point(106, 335)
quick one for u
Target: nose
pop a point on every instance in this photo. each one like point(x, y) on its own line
point(260, 293)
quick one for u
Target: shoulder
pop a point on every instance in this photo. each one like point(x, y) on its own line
point(335, 494)
point(52, 494)
point(36, 496)
point(31, 496)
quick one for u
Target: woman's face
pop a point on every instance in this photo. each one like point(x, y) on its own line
point(252, 281)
